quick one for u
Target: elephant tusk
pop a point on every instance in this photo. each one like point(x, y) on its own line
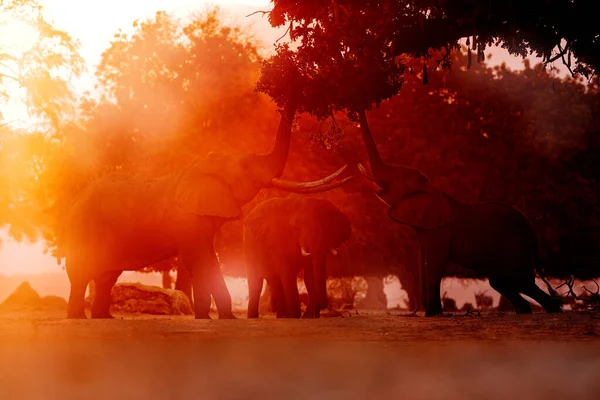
point(382, 200)
point(326, 187)
point(290, 185)
point(304, 252)
point(333, 251)
point(363, 171)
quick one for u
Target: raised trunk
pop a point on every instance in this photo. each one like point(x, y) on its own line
point(277, 158)
point(377, 164)
point(274, 162)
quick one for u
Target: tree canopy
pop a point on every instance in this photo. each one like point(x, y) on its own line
point(37, 75)
point(354, 53)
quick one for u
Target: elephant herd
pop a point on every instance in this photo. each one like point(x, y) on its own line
point(124, 222)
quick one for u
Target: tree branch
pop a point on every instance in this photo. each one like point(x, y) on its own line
point(2, 75)
point(258, 12)
point(285, 33)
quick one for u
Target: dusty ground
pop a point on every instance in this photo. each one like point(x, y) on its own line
point(369, 356)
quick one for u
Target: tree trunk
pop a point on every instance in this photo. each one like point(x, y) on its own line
point(375, 298)
point(184, 283)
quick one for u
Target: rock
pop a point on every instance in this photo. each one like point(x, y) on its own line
point(24, 295)
point(55, 302)
point(144, 299)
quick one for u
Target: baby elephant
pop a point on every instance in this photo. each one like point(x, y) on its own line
point(283, 236)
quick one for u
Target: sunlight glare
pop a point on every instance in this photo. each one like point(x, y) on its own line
point(16, 37)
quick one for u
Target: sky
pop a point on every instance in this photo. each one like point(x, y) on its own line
point(94, 23)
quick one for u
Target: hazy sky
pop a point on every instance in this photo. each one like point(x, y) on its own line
point(94, 23)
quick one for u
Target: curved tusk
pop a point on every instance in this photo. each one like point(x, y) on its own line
point(333, 251)
point(382, 200)
point(290, 185)
point(324, 188)
point(304, 252)
point(363, 171)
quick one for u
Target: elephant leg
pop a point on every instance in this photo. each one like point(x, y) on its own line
point(201, 266)
point(255, 285)
point(433, 271)
point(435, 251)
point(184, 283)
point(292, 298)
point(507, 289)
point(433, 304)
point(544, 299)
point(312, 309)
point(272, 298)
point(104, 284)
point(412, 286)
point(79, 282)
point(278, 297)
point(219, 289)
point(198, 256)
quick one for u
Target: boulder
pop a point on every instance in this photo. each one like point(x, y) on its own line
point(55, 302)
point(144, 299)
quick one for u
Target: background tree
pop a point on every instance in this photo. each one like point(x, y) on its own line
point(37, 76)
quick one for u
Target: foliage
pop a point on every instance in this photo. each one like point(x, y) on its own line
point(38, 76)
point(42, 71)
point(351, 48)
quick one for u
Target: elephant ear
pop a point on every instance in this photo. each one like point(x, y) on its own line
point(421, 209)
point(205, 195)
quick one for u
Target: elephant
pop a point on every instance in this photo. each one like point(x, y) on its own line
point(126, 222)
point(283, 236)
point(493, 239)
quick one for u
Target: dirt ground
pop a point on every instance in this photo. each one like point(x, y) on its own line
point(364, 356)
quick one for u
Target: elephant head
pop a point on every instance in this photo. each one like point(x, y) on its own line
point(220, 184)
point(411, 198)
point(321, 228)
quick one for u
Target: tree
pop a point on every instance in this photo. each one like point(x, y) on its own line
point(43, 70)
point(37, 76)
point(349, 56)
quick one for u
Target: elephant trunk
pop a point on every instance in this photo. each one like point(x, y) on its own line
point(378, 167)
point(275, 160)
point(278, 156)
